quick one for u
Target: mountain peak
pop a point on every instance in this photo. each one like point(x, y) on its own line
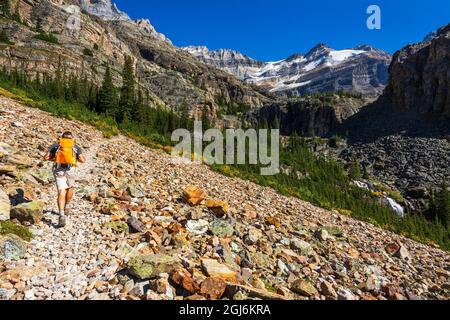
point(104, 9)
point(146, 26)
point(318, 50)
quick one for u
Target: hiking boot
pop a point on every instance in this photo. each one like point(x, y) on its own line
point(62, 222)
point(68, 211)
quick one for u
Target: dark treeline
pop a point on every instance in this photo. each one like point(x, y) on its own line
point(326, 183)
point(128, 105)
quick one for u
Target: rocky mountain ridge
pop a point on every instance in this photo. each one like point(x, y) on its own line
point(174, 78)
point(403, 138)
point(362, 69)
point(104, 9)
point(419, 78)
point(144, 226)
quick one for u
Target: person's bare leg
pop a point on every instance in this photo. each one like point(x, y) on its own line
point(69, 197)
point(62, 200)
point(62, 205)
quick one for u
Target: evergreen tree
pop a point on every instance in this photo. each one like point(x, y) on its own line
point(4, 37)
point(432, 210)
point(107, 97)
point(276, 123)
point(5, 8)
point(127, 92)
point(365, 175)
point(140, 114)
point(355, 169)
point(205, 121)
point(39, 27)
point(443, 204)
point(16, 16)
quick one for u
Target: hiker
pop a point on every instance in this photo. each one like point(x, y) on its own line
point(65, 154)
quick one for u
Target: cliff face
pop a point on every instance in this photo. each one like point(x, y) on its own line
point(420, 77)
point(310, 116)
point(174, 78)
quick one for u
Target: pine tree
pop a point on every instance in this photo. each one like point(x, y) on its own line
point(5, 8)
point(355, 169)
point(16, 16)
point(443, 204)
point(4, 37)
point(140, 114)
point(276, 123)
point(107, 97)
point(366, 175)
point(205, 121)
point(127, 92)
point(39, 27)
point(432, 209)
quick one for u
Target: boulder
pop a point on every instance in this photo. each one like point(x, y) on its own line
point(183, 279)
point(323, 235)
point(197, 227)
point(222, 229)
point(219, 207)
point(253, 236)
point(346, 295)
point(9, 171)
point(5, 206)
point(118, 227)
point(136, 225)
point(12, 247)
point(21, 161)
point(31, 212)
point(403, 254)
point(194, 195)
point(302, 246)
point(43, 176)
point(147, 267)
point(417, 192)
point(6, 149)
point(235, 290)
point(304, 288)
point(213, 288)
point(215, 269)
point(136, 192)
point(272, 221)
point(328, 291)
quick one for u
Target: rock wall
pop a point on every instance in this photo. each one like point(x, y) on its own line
point(420, 78)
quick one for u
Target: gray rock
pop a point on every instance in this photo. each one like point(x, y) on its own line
point(147, 267)
point(253, 236)
point(222, 229)
point(31, 212)
point(136, 225)
point(12, 247)
point(302, 246)
point(197, 227)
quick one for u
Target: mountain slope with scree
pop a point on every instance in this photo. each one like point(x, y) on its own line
point(144, 226)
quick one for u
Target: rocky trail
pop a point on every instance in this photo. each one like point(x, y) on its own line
point(144, 226)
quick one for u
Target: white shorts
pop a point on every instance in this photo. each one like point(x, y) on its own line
point(64, 179)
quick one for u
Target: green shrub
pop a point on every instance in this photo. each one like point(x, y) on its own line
point(47, 37)
point(4, 38)
point(88, 52)
point(8, 227)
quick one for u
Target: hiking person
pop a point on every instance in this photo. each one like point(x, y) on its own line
point(65, 154)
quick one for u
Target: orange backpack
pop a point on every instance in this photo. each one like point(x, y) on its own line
point(66, 152)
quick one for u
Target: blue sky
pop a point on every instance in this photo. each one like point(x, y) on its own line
point(274, 29)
